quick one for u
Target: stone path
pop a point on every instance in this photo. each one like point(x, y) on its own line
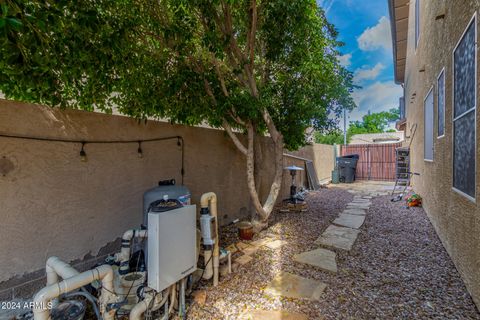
point(272, 315)
point(349, 220)
point(292, 286)
point(340, 235)
point(320, 258)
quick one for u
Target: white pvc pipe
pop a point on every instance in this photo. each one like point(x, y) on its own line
point(208, 273)
point(207, 199)
point(124, 255)
point(172, 298)
point(56, 267)
point(103, 273)
point(139, 309)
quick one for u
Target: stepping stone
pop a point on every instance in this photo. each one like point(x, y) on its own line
point(361, 201)
point(250, 250)
point(242, 246)
point(262, 242)
point(275, 244)
point(292, 286)
point(232, 248)
point(338, 237)
point(243, 260)
point(272, 315)
point(367, 197)
point(350, 220)
point(320, 258)
point(360, 212)
point(356, 206)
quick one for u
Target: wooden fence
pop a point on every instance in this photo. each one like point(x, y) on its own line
point(376, 162)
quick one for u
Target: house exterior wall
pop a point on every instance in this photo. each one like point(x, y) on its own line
point(455, 218)
point(51, 203)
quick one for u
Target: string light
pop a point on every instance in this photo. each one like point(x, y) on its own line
point(83, 154)
point(139, 150)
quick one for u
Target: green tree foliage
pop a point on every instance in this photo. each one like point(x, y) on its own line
point(376, 122)
point(258, 67)
point(371, 123)
point(333, 137)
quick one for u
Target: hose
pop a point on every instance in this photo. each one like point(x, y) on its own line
point(87, 296)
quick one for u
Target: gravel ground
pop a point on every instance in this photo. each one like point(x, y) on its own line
point(397, 269)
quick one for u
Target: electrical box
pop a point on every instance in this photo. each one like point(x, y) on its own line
point(171, 246)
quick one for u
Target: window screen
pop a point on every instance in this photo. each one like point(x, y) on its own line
point(464, 100)
point(441, 104)
point(428, 126)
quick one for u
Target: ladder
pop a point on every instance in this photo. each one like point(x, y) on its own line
point(402, 170)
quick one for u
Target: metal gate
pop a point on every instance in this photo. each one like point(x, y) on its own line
point(376, 162)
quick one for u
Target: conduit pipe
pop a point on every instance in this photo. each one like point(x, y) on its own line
point(210, 200)
point(103, 273)
point(124, 255)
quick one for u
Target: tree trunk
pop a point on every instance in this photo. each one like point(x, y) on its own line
point(260, 219)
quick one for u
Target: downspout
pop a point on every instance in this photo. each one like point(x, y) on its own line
point(104, 273)
point(210, 200)
point(124, 255)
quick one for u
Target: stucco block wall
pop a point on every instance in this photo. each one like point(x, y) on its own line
point(51, 203)
point(456, 219)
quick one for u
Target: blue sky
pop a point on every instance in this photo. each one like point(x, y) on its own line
point(364, 27)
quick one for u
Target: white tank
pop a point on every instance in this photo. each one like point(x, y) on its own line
point(165, 188)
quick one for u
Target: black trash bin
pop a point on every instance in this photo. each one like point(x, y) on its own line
point(347, 167)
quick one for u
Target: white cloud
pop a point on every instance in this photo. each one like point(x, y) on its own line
point(376, 37)
point(326, 4)
point(379, 96)
point(368, 74)
point(345, 60)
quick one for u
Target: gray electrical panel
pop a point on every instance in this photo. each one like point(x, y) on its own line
point(171, 246)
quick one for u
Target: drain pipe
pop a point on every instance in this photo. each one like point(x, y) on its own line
point(209, 226)
point(124, 255)
point(104, 273)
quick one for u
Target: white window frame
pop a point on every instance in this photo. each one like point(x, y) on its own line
point(425, 121)
point(444, 101)
point(474, 20)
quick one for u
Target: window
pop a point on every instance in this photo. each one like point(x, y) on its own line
point(417, 22)
point(464, 110)
point(428, 126)
point(441, 104)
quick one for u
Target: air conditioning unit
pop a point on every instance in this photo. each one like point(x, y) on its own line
point(171, 246)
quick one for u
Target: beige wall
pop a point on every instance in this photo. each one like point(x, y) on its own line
point(324, 160)
point(51, 203)
point(456, 219)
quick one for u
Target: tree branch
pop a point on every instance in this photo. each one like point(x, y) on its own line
point(220, 77)
point(276, 135)
point(251, 34)
point(234, 137)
